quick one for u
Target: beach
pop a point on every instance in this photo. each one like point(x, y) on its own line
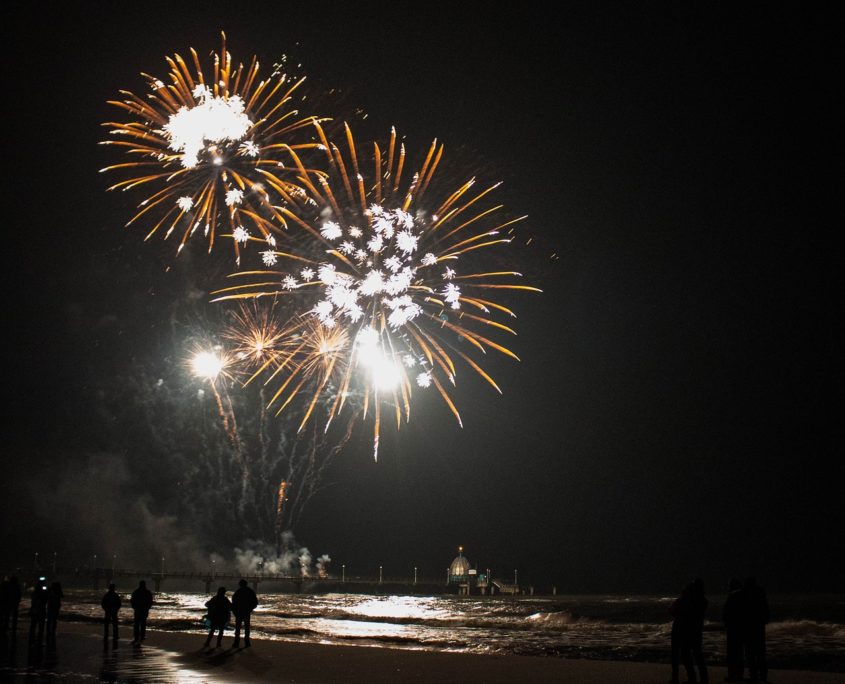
point(175, 657)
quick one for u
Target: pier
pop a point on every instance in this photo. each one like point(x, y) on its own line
point(98, 576)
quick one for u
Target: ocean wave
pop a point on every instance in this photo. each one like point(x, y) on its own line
point(799, 628)
point(556, 620)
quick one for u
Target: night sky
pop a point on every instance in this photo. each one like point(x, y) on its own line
point(674, 410)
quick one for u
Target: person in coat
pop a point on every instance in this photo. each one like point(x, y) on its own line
point(111, 606)
point(141, 602)
point(219, 614)
point(244, 601)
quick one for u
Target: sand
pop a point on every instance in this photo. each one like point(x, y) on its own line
point(179, 657)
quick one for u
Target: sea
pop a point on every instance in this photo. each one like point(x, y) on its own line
point(806, 631)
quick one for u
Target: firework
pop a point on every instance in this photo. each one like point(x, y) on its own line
point(301, 351)
point(210, 149)
point(216, 365)
point(394, 271)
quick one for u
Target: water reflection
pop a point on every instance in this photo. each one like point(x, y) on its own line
point(145, 665)
point(405, 607)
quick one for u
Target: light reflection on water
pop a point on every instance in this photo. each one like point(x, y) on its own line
point(146, 666)
point(78, 657)
point(617, 627)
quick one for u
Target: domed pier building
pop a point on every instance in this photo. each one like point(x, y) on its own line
point(466, 577)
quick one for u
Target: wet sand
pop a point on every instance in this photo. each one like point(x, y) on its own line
point(171, 657)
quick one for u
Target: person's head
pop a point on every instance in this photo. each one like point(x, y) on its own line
point(142, 584)
point(750, 582)
point(242, 583)
point(111, 588)
point(734, 584)
point(221, 591)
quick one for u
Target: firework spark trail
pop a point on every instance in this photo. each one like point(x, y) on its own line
point(307, 459)
point(381, 275)
point(213, 149)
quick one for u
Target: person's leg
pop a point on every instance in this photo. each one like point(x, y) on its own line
point(144, 626)
point(220, 637)
point(238, 621)
point(734, 656)
point(105, 628)
point(136, 628)
point(247, 618)
point(698, 655)
point(686, 658)
point(114, 628)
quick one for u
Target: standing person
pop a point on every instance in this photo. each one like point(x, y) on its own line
point(732, 617)
point(5, 604)
point(38, 612)
point(14, 589)
point(111, 605)
point(679, 610)
point(54, 604)
point(695, 633)
point(141, 601)
point(244, 601)
point(219, 614)
point(755, 618)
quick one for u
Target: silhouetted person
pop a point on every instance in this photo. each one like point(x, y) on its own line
point(678, 611)
point(111, 605)
point(15, 602)
point(693, 638)
point(755, 616)
point(142, 601)
point(38, 612)
point(244, 601)
point(219, 614)
point(54, 605)
point(6, 603)
point(687, 627)
point(732, 617)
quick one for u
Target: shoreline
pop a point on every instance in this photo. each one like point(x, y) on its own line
point(169, 656)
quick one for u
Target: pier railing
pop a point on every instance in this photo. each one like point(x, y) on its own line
point(98, 575)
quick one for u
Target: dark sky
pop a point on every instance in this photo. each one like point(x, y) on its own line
point(674, 410)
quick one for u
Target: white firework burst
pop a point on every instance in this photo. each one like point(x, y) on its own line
point(240, 235)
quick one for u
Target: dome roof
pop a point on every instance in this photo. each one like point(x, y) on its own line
point(460, 566)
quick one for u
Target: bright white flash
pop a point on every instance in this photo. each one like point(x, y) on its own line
point(207, 365)
point(385, 373)
point(213, 119)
